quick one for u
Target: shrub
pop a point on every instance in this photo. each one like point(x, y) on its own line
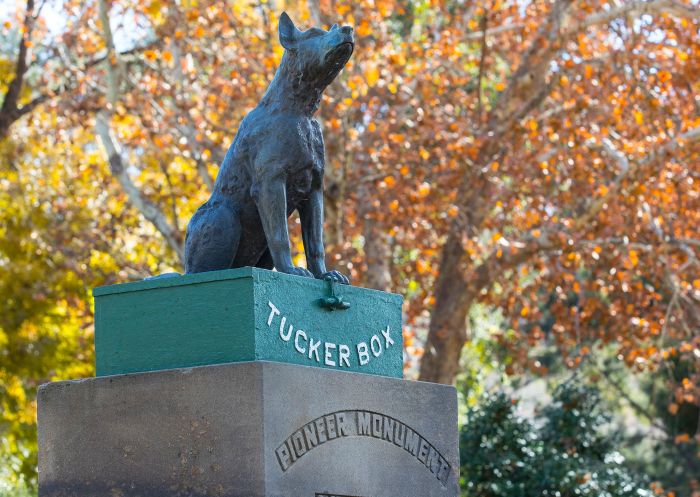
point(563, 452)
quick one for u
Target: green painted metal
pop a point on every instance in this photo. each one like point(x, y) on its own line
point(242, 315)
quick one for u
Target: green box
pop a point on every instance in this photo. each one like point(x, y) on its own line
point(245, 314)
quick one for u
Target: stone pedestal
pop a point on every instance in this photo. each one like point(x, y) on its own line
point(250, 429)
point(246, 383)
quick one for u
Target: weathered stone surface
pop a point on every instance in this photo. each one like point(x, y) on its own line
point(255, 429)
point(244, 314)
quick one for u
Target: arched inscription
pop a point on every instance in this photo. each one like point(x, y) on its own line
point(359, 423)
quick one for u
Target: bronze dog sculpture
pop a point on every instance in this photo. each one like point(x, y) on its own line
point(274, 167)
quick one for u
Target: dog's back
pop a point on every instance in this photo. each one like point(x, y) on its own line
point(277, 154)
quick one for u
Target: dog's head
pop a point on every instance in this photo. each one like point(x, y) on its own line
point(317, 55)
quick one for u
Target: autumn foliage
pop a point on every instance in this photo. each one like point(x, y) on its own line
point(539, 158)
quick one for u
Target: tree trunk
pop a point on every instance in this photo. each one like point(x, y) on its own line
point(447, 333)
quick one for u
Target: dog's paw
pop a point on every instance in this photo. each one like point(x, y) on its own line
point(299, 271)
point(336, 276)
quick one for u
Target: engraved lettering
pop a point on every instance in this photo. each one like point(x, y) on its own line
point(313, 349)
point(342, 424)
point(411, 443)
point(328, 353)
point(330, 425)
point(377, 425)
point(298, 443)
point(291, 449)
point(433, 462)
point(288, 335)
point(444, 472)
point(423, 451)
point(274, 311)
point(367, 424)
point(343, 355)
point(310, 435)
point(327, 358)
point(399, 434)
point(388, 432)
point(363, 423)
point(300, 333)
point(283, 456)
point(362, 353)
point(321, 428)
point(376, 350)
point(388, 341)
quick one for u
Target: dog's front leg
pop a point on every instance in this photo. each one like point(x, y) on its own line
point(311, 215)
point(271, 200)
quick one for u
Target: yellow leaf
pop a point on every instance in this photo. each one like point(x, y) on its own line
point(371, 75)
point(638, 117)
point(634, 258)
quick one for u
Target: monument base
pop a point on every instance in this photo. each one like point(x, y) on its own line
point(250, 429)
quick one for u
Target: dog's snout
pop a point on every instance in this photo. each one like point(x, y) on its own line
point(346, 30)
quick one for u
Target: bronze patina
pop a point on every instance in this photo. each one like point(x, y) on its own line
point(274, 167)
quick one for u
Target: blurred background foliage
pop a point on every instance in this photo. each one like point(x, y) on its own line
point(524, 173)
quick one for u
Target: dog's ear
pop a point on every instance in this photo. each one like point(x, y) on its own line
point(288, 32)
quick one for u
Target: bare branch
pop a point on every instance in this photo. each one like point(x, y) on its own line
point(635, 8)
point(117, 163)
point(119, 168)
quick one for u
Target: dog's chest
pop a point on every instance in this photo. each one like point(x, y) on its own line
point(307, 172)
point(310, 143)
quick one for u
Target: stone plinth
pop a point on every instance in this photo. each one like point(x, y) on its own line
point(245, 314)
point(251, 429)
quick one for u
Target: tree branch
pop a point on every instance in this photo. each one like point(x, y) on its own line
point(635, 8)
point(482, 65)
point(627, 168)
point(119, 168)
point(117, 164)
point(8, 111)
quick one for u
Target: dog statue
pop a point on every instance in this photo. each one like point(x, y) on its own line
point(274, 167)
